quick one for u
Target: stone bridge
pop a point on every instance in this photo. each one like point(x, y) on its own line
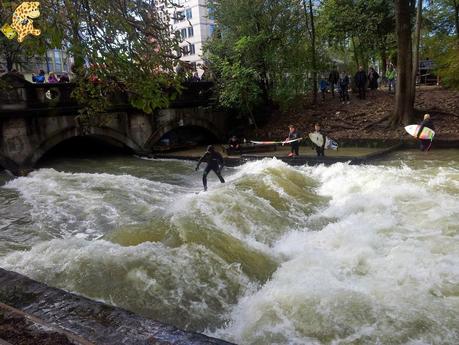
point(36, 118)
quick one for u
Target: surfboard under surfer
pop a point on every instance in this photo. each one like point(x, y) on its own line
point(214, 163)
point(427, 122)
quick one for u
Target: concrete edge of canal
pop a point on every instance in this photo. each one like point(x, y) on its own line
point(382, 149)
point(39, 314)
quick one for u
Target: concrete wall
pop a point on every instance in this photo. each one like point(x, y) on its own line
point(93, 321)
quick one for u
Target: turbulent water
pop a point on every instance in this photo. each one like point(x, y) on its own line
point(277, 255)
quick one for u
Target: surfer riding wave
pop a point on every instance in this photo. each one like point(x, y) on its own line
point(214, 163)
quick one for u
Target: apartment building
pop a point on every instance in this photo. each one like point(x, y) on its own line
point(193, 20)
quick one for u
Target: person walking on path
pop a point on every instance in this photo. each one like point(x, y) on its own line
point(214, 163)
point(333, 79)
point(323, 86)
point(373, 77)
point(343, 84)
point(427, 122)
point(294, 134)
point(361, 82)
point(391, 75)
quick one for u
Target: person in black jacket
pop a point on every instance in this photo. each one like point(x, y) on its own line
point(373, 77)
point(361, 82)
point(343, 88)
point(426, 143)
point(333, 80)
point(214, 162)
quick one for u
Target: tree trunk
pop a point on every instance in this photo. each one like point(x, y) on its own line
point(356, 55)
point(417, 39)
point(313, 46)
point(9, 63)
point(383, 62)
point(403, 112)
point(456, 16)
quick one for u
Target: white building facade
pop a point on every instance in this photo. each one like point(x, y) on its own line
point(193, 20)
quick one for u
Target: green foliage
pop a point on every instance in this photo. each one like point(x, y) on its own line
point(128, 45)
point(449, 67)
point(440, 41)
point(361, 28)
point(259, 53)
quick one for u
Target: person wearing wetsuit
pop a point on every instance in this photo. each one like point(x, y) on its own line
point(292, 135)
point(320, 149)
point(426, 143)
point(234, 143)
point(214, 162)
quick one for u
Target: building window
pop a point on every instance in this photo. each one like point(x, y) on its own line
point(183, 34)
point(190, 31)
point(189, 14)
point(57, 61)
point(211, 28)
point(179, 17)
point(188, 50)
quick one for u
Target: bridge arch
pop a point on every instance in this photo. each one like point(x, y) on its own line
point(8, 164)
point(174, 125)
point(74, 132)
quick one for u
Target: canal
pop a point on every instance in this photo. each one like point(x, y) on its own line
point(338, 254)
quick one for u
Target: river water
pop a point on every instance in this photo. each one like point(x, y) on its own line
point(277, 255)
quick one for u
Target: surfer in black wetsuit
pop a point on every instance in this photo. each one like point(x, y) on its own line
point(214, 162)
point(425, 143)
point(320, 149)
point(292, 135)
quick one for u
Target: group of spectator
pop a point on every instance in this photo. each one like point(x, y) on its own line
point(362, 81)
point(336, 79)
point(52, 78)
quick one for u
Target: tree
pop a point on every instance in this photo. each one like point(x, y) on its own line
point(312, 34)
point(125, 46)
point(416, 46)
point(441, 40)
point(362, 29)
point(265, 39)
point(404, 106)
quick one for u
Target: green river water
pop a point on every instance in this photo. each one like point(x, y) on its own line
point(277, 255)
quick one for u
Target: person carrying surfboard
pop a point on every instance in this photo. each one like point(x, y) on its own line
point(214, 162)
point(427, 122)
point(293, 135)
point(320, 149)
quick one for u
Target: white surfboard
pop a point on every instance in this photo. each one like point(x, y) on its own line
point(426, 133)
point(275, 142)
point(330, 144)
point(318, 139)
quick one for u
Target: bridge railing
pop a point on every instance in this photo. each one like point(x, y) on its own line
point(18, 94)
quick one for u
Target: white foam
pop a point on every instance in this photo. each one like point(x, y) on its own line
point(385, 268)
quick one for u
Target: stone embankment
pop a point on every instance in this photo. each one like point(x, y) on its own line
point(32, 313)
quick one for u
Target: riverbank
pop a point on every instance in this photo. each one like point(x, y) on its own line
point(367, 119)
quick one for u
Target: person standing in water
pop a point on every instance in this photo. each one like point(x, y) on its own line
point(425, 143)
point(214, 162)
point(293, 135)
point(320, 149)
